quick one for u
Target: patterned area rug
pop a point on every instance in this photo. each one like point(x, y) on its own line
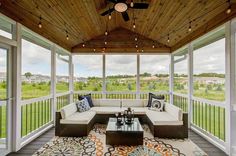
point(94, 144)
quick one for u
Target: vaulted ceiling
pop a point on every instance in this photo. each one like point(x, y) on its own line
point(82, 21)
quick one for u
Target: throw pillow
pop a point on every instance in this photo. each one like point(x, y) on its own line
point(160, 97)
point(88, 97)
point(157, 105)
point(83, 105)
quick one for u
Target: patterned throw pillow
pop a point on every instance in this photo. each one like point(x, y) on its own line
point(157, 105)
point(88, 97)
point(151, 96)
point(83, 105)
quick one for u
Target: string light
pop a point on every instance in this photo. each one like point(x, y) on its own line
point(228, 11)
point(168, 40)
point(142, 50)
point(190, 27)
point(67, 36)
point(106, 33)
point(153, 46)
point(136, 38)
point(134, 26)
point(132, 4)
point(83, 45)
point(40, 22)
point(94, 49)
point(105, 42)
point(109, 17)
point(136, 46)
point(137, 50)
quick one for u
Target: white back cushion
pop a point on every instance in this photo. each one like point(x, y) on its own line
point(132, 103)
point(145, 102)
point(96, 102)
point(68, 110)
point(174, 111)
point(110, 102)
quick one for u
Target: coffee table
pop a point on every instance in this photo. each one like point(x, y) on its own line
point(126, 134)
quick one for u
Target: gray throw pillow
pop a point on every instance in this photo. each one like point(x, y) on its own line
point(83, 105)
point(157, 105)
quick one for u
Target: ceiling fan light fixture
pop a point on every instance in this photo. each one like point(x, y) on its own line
point(121, 7)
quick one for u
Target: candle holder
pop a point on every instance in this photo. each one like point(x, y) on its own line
point(129, 116)
point(119, 119)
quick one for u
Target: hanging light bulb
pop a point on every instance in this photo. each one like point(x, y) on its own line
point(83, 45)
point(94, 49)
point(136, 46)
point(142, 50)
point(168, 40)
point(137, 50)
point(109, 17)
point(190, 27)
point(106, 33)
point(134, 26)
point(132, 4)
point(40, 23)
point(228, 11)
point(136, 39)
point(153, 46)
point(67, 37)
point(105, 42)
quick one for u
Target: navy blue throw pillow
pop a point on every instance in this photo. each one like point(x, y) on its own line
point(160, 97)
point(88, 97)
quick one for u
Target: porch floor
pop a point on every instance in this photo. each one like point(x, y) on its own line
point(32, 147)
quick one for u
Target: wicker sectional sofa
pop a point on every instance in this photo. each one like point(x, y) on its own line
point(171, 123)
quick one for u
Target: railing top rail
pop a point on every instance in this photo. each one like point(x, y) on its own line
point(62, 94)
point(179, 94)
point(210, 102)
point(25, 102)
point(120, 92)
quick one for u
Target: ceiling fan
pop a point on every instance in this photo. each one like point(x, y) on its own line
point(122, 6)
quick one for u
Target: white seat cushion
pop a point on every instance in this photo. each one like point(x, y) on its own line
point(162, 118)
point(107, 110)
point(132, 103)
point(176, 112)
point(110, 102)
point(79, 118)
point(68, 110)
point(96, 102)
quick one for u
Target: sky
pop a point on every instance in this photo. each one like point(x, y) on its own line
point(36, 60)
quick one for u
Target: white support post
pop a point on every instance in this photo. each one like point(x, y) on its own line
point(138, 78)
point(53, 82)
point(190, 82)
point(103, 76)
point(16, 107)
point(71, 75)
point(230, 119)
point(171, 78)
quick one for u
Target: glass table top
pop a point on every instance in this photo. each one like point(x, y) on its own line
point(134, 127)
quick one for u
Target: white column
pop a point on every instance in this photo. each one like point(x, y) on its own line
point(190, 82)
point(230, 76)
point(138, 78)
point(53, 81)
point(71, 75)
point(16, 107)
point(171, 78)
point(103, 76)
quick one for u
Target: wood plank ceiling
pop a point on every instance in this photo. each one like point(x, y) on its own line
point(81, 19)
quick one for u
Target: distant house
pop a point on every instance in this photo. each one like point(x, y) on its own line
point(210, 80)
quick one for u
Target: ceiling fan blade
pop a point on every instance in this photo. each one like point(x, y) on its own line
point(125, 16)
point(107, 12)
point(140, 6)
point(113, 1)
